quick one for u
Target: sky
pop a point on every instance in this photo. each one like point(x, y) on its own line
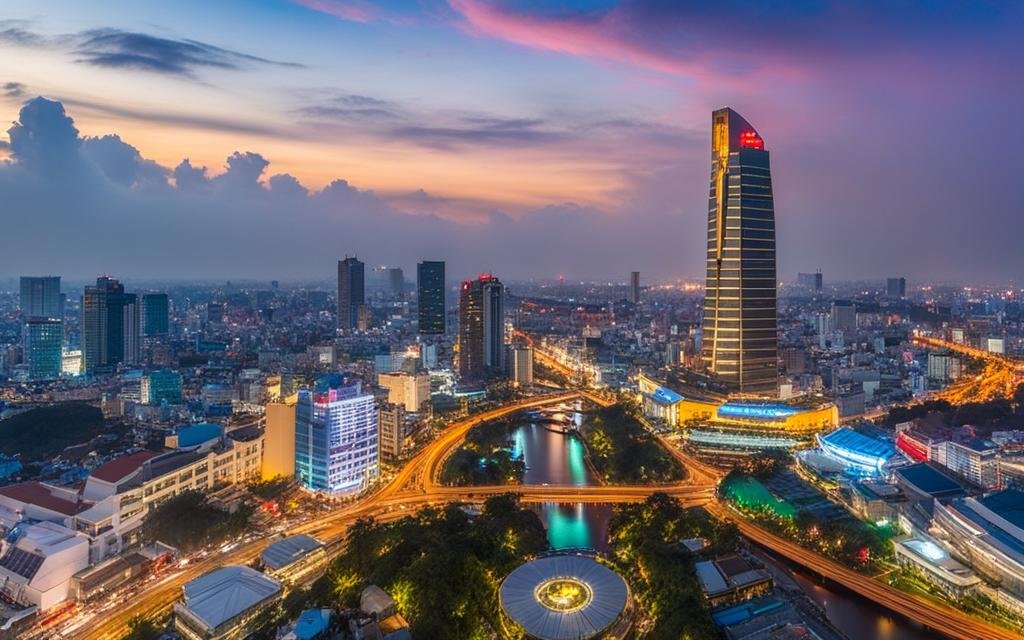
point(526, 138)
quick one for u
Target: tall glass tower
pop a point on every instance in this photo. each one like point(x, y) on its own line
point(740, 345)
point(351, 292)
point(430, 291)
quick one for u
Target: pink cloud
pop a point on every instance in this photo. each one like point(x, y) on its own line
point(590, 36)
point(351, 10)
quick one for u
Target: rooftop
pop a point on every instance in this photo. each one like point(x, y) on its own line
point(849, 439)
point(288, 550)
point(193, 434)
point(1007, 504)
point(39, 494)
point(928, 479)
point(222, 594)
point(120, 468)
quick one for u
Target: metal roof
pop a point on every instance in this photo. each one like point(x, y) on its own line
point(608, 594)
point(857, 442)
point(288, 550)
point(664, 395)
point(222, 594)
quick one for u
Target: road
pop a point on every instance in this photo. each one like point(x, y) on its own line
point(417, 485)
point(999, 378)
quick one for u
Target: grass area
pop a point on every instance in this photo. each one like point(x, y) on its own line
point(624, 452)
point(644, 540)
point(749, 494)
point(188, 523)
point(442, 567)
point(43, 432)
point(485, 458)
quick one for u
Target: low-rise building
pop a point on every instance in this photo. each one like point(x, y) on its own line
point(223, 604)
point(37, 562)
point(294, 558)
point(731, 579)
point(925, 555)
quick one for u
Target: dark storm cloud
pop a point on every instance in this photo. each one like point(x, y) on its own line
point(141, 51)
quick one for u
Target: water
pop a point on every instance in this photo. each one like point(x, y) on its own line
point(558, 459)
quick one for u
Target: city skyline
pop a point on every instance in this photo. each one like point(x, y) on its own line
point(507, 163)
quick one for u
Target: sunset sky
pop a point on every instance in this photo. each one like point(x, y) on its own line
point(528, 137)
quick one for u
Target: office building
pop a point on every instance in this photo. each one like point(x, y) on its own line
point(392, 430)
point(103, 330)
point(279, 456)
point(224, 604)
point(396, 281)
point(811, 281)
point(634, 287)
point(943, 366)
point(44, 347)
point(975, 459)
point(162, 385)
point(430, 295)
point(844, 316)
point(739, 344)
point(336, 437)
point(412, 391)
point(520, 365)
point(132, 324)
point(351, 292)
point(155, 315)
point(481, 328)
point(896, 287)
point(40, 297)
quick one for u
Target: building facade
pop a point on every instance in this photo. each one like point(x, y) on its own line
point(351, 292)
point(103, 311)
point(481, 328)
point(336, 437)
point(44, 347)
point(155, 315)
point(40, 297)
point(740, 345)
point(430, 295)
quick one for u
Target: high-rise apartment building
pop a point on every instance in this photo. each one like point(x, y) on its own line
point(634, 287)
point(430, 295)
point(40, 297)
point(739, 341)
point(481, 328)
point(396, 282)
point(44, 347)
point(103, 330)
point(155, 315)
point(520, 365)
point(812, 281)
point(132, 329)
point(844, 316)
point(336, 437)
point(351, 292)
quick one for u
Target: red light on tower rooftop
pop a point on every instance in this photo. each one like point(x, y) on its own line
point(750, 140)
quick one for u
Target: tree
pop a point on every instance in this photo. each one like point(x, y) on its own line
point(142, 629)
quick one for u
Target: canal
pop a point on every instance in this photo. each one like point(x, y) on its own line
point(555, 458)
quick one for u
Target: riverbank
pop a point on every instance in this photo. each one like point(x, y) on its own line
point(624, 452)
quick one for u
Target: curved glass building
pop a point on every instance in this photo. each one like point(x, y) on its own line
point(739, 342)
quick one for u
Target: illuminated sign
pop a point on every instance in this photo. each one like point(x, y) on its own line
point(757, 411)
point(750, 140)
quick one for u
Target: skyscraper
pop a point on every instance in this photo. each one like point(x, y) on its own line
point(351, 292)
point(634, 287)
point(132, 329)
point(40, 297)
point(103, 315)
point(44, 347)
point(336, 437)
point(396, 282)
point(481, 328)
point(740, 344)
point(155, 315)
point(430, 292)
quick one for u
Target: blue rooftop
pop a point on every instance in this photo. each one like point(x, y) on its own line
point(1008, 504)
point(929, 480)
point(663, 395)
point(846, 438)
point(312, 622)
point(195, 434)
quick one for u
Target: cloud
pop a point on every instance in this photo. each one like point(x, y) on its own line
point(12, 89)
point(141, 51)
point(122, 163)
point(351, 10)
point(132, 50)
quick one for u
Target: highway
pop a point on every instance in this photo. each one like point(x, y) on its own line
point(999, 378)
point(417, 485)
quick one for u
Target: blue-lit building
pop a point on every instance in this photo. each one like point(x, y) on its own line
point(336, 437)
point(44, 348)
point(861, 454)
point(162, 385)
point(756, 410)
